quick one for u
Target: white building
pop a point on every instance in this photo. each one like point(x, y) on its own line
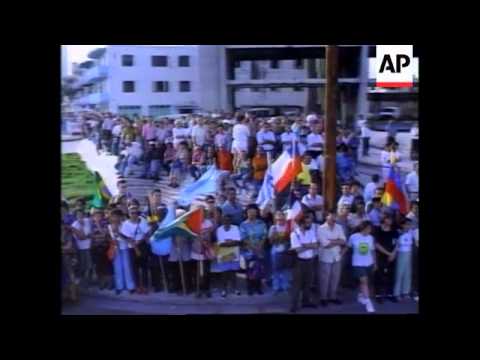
point(160, 80)
point(64, 61)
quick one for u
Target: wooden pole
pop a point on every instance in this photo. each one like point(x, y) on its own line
point(162, 270)
point(329, 175)
point(182, 274)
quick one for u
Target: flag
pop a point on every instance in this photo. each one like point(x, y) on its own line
point(304, 177)
point(161, 245)
point(189, 225)
point(102, 194)
point(205, 185)
point(293, 214)
point(266, 191)
point(286, 168)
point(394, 195)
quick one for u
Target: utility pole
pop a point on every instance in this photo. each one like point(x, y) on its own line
point(330, 153)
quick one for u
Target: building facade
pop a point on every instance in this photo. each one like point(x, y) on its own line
point(161, 80)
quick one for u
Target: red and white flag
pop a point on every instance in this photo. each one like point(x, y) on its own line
point(286, 168)
point(293, 214)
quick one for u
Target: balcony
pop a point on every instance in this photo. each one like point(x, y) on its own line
point(93, 75)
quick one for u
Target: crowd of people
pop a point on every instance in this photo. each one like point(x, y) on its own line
point(360, 243)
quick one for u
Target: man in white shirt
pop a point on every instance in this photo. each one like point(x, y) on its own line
point(304, 241)
point(365, 134)
point(314, 202)
point(315, 141)
point(199, 133)
point(161, 131)
point(332, 238)
point(82, 232)
point(240, 134)
point(411, 183)
point(287, 138)
point(369, 191)
point(347, 198)
point(180, 133)
point(266, 138)
point(116, 134)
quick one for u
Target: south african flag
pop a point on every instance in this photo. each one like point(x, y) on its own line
point(102, 194)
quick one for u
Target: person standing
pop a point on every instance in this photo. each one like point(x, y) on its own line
point(82, 231)
point(233, 207)
point(103, 265)
point(411, 183)
point(253, 233)
point(369, 191)
point(122, 266)
point(240, 134)
point(202, 254)
point(259, 167)
point(266, 140)
point(365, 134)
point(332, 238)
point(116, 134)
point(385, 238)
point(403, 270)
point(303, 241)
point(414, 142)
point(228, 235)
point(199, 133)
point(315, 141)
point(346, 198)
point(362, 244)
point(278, 236)
point(314, 202)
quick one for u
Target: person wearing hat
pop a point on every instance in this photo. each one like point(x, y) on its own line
point(103, 266)
point(82, 232)
point(138, 231)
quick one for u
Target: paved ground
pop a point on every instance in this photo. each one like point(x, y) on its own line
point(107, 303)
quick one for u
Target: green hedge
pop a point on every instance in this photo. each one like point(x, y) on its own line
point(77, 180)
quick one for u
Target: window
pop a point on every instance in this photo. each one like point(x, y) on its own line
point(160, 86)
point(299, 64)
point(238, 64)
point(184, 60)
point(254, 89)
point(297, 88)
point(184, 86)
point(274, 64)
point(159, 61)
point(273, 89)
point(129, 86)
point(127, 60)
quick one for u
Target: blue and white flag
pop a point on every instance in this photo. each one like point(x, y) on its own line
point(207, 184)
point(267, 192)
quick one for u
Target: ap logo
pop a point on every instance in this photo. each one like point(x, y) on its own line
point(394, 66)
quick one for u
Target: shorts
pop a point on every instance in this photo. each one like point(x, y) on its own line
point(362, 271)
point(239, 146)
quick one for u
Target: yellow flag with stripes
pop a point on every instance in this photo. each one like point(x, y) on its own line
point(304, 177)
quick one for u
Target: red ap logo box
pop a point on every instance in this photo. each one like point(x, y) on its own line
point(394, 66)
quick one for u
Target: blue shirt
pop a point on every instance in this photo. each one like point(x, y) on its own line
point(375, 216)
point(236, 211)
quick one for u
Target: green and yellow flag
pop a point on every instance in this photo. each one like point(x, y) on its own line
point(102, 194)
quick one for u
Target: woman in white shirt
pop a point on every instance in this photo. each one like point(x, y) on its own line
point(363, 261)
point(228, 236)
point(122, 267)
point(240, 135)
point(403, 270)
point(82, 232)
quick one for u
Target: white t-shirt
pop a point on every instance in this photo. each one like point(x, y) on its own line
point(135, 230)
point(117, 130)
point(386, 156)
point(414, 132)
point(199, 134)
point(325, 234)
point(220, 140)
point(179, 135)
point(265, 136)
point(107, 124)
point(297, 238)
point(232, 234)
point(411, 182)
point(313, 139)
point(310, 201)
point(365, 132)
point(87, 230)
point(240, 134)
point(345, 200)
point(369, 191)
point(363, 248)
point(288, 137)
point(405, 242)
